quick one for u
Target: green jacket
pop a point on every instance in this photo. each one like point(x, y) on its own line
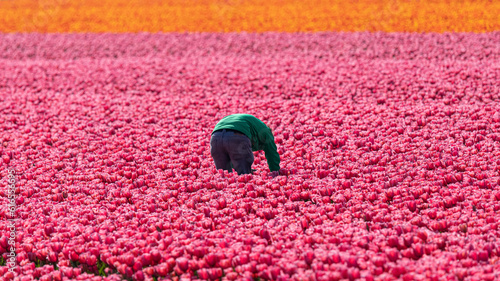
point(259, 133)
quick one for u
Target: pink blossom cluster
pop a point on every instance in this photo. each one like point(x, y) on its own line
point(390, 161)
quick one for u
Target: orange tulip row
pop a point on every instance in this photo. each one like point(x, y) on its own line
point(248, 15)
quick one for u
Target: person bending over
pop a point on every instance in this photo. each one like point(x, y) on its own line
point(235, 138)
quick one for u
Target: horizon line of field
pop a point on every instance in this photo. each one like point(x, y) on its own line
point(405, 46)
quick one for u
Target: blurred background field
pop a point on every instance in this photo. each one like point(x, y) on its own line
point(118, 16)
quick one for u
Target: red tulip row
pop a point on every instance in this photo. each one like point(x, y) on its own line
point(390, 167)
point(322, 45)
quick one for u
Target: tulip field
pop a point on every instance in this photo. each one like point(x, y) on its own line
point(389, 143)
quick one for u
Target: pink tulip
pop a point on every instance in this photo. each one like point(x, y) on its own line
point(183, 264)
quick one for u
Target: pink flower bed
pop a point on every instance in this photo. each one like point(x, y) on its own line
point(390, 148)
point(405, 46)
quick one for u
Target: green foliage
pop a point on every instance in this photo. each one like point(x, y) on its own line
point(101, 267)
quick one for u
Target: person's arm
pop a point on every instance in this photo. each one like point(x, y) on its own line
point(272, 156)
point(271, 151)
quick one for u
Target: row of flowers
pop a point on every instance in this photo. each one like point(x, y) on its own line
point(451, 47)
point(249, 16)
